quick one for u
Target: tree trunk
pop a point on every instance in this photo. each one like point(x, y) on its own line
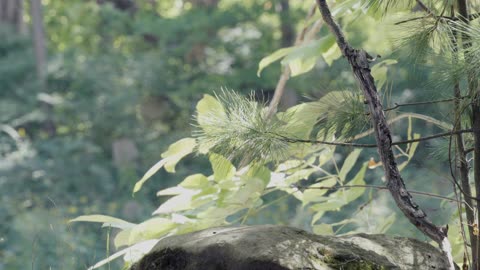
point(39, 40)
point(11, 13)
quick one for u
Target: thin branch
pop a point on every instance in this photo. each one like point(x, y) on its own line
point(282, 81)
point(422, 193)
point(397, 105)
point(365, 145)
point(425, 8)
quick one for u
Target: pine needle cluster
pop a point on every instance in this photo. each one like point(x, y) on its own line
point(241, 131)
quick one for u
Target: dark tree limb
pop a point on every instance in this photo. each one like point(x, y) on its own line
point(359, 61)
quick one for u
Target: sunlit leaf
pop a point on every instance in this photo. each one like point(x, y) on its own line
point(315, 192)
point(349, 163)
point(196, 181)
point(171, 157)
point(142, 247)
point(277, 55)
point(150, 229)
point(222, 168)
point(107, 221)
point(322, 229)
point(355, 192)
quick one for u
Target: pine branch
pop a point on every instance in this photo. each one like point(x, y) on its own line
point(359, 61)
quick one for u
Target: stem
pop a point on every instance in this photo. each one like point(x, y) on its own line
point(473, 92)
point(282, 81)
point(461, 160)
point(365, 145)
point(359, 61)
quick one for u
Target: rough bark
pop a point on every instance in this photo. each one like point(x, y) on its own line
point(359, 61)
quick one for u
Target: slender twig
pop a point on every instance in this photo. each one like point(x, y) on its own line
point(282, 81)
point(425, 8)
point(397, 105)
point(365, 145)
point(422, 193)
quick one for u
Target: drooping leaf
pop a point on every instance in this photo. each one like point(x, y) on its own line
point(349, 163)
point(150, 229)
point(196, 181)
point(277, 55)
point(355, 192)
point(142, 247)
point(323, 229)
point(171, 157)
point(315, 192)
point(222, 168)
point(107, 221)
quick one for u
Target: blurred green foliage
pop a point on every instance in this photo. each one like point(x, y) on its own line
point(122, 85)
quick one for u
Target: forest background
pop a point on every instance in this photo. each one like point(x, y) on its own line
point(119, 82)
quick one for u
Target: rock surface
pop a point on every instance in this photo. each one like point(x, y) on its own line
point(269, 247)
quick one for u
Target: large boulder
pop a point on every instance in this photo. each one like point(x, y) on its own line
point(279, 247)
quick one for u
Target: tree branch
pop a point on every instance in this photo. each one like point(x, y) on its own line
point(359, 61)
point(397, 105)
point(365, 145)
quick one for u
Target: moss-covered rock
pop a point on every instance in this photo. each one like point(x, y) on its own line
point(283, 248)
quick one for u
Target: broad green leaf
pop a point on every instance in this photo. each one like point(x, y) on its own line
point(177, 151)
point(299, 66)
point(348, 164)
point(144, 246)
point(353, 193)
point(289, 164)
point(314, 194)
point(172, 191)
point(387, 223)
point(150, 229)
point(122, 238)
point(323, 229)
point(253, 188)
point(171, 157)
point(222, 168)
point(379, 72)
point(259, 173)
point(196, 181)
point(266, 61)
point(220, 213)
point(107, 221)
point(332, 54)
point(329, 205)
point(206, 106)
point(299, 175)
point(180, 202)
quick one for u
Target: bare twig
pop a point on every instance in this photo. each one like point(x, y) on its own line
point(397, 105)
point(282, 81)
point(365, 145)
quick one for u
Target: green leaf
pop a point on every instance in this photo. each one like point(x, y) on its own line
point(379, 72)
point(143, 247)
point(349, 163)
point(177, 151)
point(323, 229)
point(266, 61)
point(314, 194)
point(171, 157)
point(196, 181)
point(181, 202)
point(387, 223)
point(300, 175)
point(353, 193)
point(107, 221)
point(222, 168)
point(206, 106)
point(150, 229)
